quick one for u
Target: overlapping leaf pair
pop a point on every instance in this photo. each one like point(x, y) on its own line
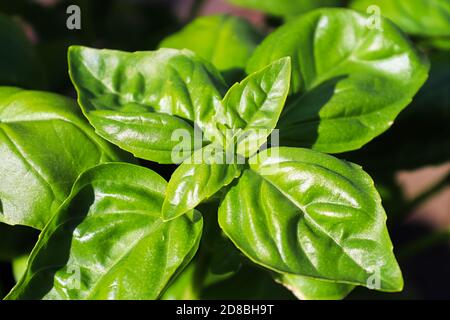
point(316, 221)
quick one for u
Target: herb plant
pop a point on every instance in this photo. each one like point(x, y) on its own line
point(45, 145)
point(420, 17)
point(325, 81)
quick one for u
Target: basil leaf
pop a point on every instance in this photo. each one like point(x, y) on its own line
point(255, 104)
point(173, 82)
point(286, 8)
point(108, 240)
point(225, 41)
point(198, 179)
point(185, 286)
point(306, 288)
point(349, 81)
point(305, 213)
point(45, 144)
point(147, 135)
point(418, 17)
point(430, 111)
point(19, 64)
point(19, 265)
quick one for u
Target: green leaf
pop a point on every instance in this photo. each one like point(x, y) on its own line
point(429, 18)
point(349, 80)
point(254, 106)
point(216, 260)
point(108, 240)
point(147, 135)
point(184, 287)
point(19, 265)
point(430, 111)
point(305, 213)
point(121, 94)
point(306, 288)
point(225, 41)
point(286, 8)
point(19, 64)
point(197, 179)
point(45, 144)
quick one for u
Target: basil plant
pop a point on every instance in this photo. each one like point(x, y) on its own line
point(324, 83)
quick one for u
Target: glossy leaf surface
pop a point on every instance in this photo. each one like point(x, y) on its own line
point(310, 214)
point(147, 135)
point(254, 105)
point(349, 80)
point(418, 17)
point(185, 286)
point(45, 143)
point(120, 93)
point(108, 240)
point(420, 135)
point(198, 179)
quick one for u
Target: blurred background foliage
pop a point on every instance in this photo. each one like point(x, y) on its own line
point(409, 163)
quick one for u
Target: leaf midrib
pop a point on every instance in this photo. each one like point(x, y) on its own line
point(305, 212)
